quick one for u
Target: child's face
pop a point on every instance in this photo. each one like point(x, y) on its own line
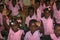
point(37, 4)
point(15, 27)
point(57, 30)
point(33, 27)
point(31, 12)
point(47, 14)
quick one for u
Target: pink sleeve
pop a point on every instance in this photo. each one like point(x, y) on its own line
point(53, 37)
point(38, 15)
point(54, 6)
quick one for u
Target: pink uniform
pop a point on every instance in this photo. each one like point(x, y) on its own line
point(56, 13)
point(35, 36)
point(48, 25)
point(28, 19)
point(53, 37)
point(14, 9)
point(39, 12)
point(1, 19)
point(15, 35)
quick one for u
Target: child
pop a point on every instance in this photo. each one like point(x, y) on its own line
point(57, 12)
point(31, 15)
point(14, 32)
point(47, 22)
point(21, 4)
point(33, 33)
point(56, 34)
point(13, 6)
point(39, 9)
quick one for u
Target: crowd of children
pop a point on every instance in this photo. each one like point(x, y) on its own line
point(42, 21)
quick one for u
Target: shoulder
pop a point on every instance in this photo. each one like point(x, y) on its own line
point(28, 33)
point(52, 36)
point(21, 30)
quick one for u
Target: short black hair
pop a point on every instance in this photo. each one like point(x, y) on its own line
point(56, 25)
point(46, 9)
point(30, 8)
point(32, 21)
point(2, 5)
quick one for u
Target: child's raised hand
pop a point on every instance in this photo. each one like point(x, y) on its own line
point(38, 23)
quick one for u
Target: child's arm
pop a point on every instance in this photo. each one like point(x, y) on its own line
point(40, 26)
point(6, 26)
point(22, 37)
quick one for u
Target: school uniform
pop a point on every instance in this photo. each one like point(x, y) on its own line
point(48, 25)
point(53, 37)
point(1, 19)
point(39, 12)
point(15, 35)
point(34, 36)
point(30, 18)
point(14, 9)
point(56, 13)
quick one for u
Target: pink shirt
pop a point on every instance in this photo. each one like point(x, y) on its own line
point(53, 37)
point(1, 19)
point(39, 12)
point(56, 13)
point(15, 35)
point(35, 36)
point(28, 19)
point(48, 25)
point(14, 9)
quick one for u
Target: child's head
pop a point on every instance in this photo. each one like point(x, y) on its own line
point(37, 3)
point(30, 11)
point(57, 29)
point(14, 25)
point(47, 2)
point(1, 7)
point(32, 25)
point(46, 13)
point(14, 2)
